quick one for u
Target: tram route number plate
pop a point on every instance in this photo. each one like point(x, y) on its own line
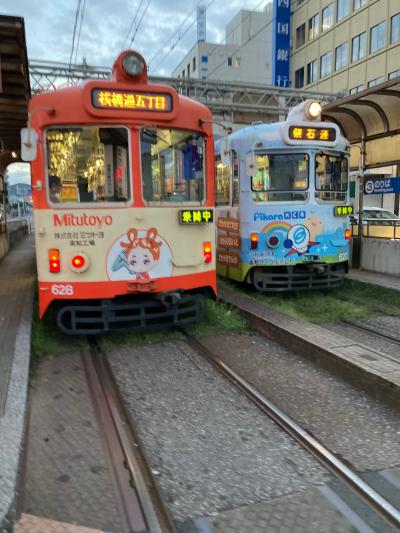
point(196, 216)
point(229, 224)
point(343, 210)
point(228, 258)
point(229, 241)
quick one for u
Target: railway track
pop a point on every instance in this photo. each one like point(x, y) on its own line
point(142, 504)
point(372, 331)
point(381, 505)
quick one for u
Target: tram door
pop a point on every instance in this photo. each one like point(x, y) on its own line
point(227, 207)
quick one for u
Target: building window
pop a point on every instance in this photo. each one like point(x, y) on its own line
point(359, 3)
point(378, 37)
point(299, 78)
point(188, 70)
point(376, 81)
point(229, 61)
point(358, 47)
point(300, 35)
point(312, 72)
point(326, 64)
point(327, 17)
point(183, 73)
point(343, 9)
point(237, 62)
point(394, 74)
point(194, 64)
point(341, 53)
point(395, 28)
point(313, 27)
point(357, 89)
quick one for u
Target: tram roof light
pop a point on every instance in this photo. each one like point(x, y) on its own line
point(133, 64)
point(307, 110)
point(314, 111)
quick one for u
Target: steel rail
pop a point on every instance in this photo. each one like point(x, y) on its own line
point(307, 441)
point(361, 327)
point(141, 500)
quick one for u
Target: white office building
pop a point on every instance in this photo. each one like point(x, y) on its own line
point(245, 57)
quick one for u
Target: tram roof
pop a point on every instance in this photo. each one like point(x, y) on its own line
point(372, 114)
point(15, 88)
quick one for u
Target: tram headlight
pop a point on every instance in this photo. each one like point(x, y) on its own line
point(273, 241)
point(133, 64)
point(80, 262)
point(314, 111)
point(347, 234)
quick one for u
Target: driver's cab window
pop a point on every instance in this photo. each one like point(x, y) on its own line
point(87, 164)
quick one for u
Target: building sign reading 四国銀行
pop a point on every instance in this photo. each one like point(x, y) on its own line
point(195, 216)
point(281, 43)
point(131, 100)
point(302, 133)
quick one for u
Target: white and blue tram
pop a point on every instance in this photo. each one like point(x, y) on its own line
point(282, 203)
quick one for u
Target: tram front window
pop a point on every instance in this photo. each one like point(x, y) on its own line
point(89, 164)
point(280, 178)
point(331, 177)
point(172, 166)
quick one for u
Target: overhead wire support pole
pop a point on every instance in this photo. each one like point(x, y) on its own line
point(358, 255)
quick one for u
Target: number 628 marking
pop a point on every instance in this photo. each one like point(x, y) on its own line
point(62, 290)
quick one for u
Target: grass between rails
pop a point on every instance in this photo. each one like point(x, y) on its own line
point(48, 340)
point(219, 318)
point(353, 301)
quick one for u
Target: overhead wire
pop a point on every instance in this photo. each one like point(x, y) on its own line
point(80, 28)
point(133, 23)
point(177, 31)
point(73, 36)
point(140, 22)
point(180, 37)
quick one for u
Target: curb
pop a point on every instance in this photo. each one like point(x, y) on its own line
point(13, 423)
point(372, 370)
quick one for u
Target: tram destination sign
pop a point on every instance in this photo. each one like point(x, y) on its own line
point(303, 133)
point(382, 185)
point(131, 100)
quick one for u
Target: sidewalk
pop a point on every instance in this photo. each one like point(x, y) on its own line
point(17, 272)
point(384, 280)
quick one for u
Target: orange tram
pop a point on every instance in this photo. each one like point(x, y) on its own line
point(123, 193)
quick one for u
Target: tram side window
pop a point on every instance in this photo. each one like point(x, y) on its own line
point(222, 182)
point(331, 177)
point(235, 178)
point(280, 177)
point(172, 166)
point(88, 164)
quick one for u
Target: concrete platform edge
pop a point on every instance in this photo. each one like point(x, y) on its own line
point(13, 423)
point(380, 385)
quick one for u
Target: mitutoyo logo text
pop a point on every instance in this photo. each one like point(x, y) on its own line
point(82, 220)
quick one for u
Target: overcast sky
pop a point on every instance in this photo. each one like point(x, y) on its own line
point(106, 24)
point(108, 27)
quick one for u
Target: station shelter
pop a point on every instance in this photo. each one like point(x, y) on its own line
point(15, 93)
point(370, 120)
